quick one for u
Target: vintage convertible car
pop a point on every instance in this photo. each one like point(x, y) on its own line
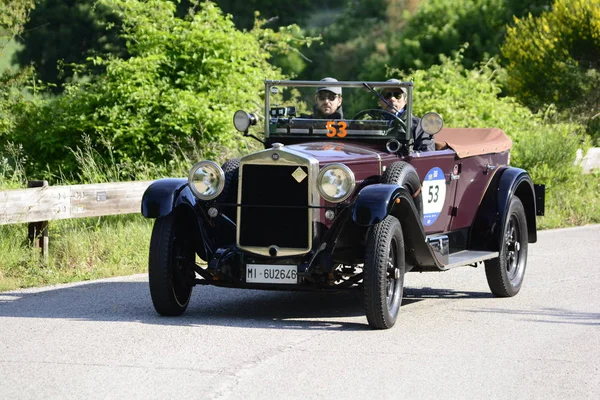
point(343, 205)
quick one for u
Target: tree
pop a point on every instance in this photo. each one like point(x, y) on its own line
point(555, 57)
point(176, 93)
point(442, 27)
point(408, 34)
point(13, 15)
point(351, 38)
point(61, 33)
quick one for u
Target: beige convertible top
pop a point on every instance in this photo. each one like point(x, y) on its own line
point(469, 142)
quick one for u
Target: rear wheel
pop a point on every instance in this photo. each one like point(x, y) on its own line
point(505, 273)
point(170, 272)
point(384, 273)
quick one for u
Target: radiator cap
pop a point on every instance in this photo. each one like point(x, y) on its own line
point(277, 145)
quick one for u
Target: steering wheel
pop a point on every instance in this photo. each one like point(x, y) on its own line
point(379, 114)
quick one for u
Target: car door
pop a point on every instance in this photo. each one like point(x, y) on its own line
point(438, 171)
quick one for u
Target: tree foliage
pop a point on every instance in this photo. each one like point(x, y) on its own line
point(442, 27)
point(282, 13)
point(555, 57)
point(13, 15)
point(60, 33)
point(407, 34)
point(176, 92)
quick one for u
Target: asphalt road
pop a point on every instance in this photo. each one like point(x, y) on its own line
point(453, 339)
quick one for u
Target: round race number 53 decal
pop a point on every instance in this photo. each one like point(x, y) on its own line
point(434, 195)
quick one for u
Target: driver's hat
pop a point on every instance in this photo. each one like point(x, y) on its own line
point(334, 89)
point(393, 80)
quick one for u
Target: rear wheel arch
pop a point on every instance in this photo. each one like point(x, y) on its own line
point(492, 213)
point(526, 193)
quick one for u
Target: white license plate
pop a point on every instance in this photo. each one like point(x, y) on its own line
point(262, 273)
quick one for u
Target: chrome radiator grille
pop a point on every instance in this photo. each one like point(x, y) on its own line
point(274, 208)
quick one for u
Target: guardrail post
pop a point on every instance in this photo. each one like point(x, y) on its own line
point(38, 231)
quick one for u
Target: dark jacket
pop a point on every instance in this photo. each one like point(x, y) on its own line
point(423, 141)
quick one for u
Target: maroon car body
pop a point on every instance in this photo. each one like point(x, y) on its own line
point(319, 210)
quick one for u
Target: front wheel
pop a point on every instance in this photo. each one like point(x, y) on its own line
point(170, 270)
point(384, 273)
point(505, 273)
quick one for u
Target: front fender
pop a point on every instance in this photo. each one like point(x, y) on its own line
point(374, 203)
point(164, 195)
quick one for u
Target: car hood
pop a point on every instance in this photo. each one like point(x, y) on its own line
point(330, 152)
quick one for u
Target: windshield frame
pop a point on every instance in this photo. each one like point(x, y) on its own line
point(370, 85)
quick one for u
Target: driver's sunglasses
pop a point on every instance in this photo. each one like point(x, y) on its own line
point(389, 95)
point(326, 96)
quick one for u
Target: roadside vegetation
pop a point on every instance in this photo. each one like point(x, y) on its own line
point(156, 92)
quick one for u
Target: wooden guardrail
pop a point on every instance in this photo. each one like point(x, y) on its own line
point(38, 205)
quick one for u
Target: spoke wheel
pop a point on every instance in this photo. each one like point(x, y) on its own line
point(169, 269)
point(505, 273)
point(384, 273)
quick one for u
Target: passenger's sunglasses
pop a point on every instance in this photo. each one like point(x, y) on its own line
point(326, 96)
point(389, 95)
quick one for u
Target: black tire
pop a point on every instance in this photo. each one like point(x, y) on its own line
point(170, 270)
point(229, 194)
point(403, 174)
point(383, 282)
point(505, 273)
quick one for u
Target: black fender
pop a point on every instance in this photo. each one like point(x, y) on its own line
point(491, 216)
point(375, 202)
point(163, 195)
point(169, 195)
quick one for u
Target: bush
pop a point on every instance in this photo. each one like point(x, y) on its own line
point(555, 57)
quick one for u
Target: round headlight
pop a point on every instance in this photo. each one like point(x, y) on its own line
point(432, 123)
point(336, 182)
point(206, 180)
point(242, 120)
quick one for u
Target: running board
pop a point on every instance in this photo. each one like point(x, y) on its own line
point(468, 257)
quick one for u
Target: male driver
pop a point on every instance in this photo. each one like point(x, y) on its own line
point(396, 103)
point(328, 101)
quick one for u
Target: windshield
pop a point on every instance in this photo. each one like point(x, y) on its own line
point(337, 109)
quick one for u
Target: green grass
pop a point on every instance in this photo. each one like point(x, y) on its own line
point(80, 249)
point(572, 203)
